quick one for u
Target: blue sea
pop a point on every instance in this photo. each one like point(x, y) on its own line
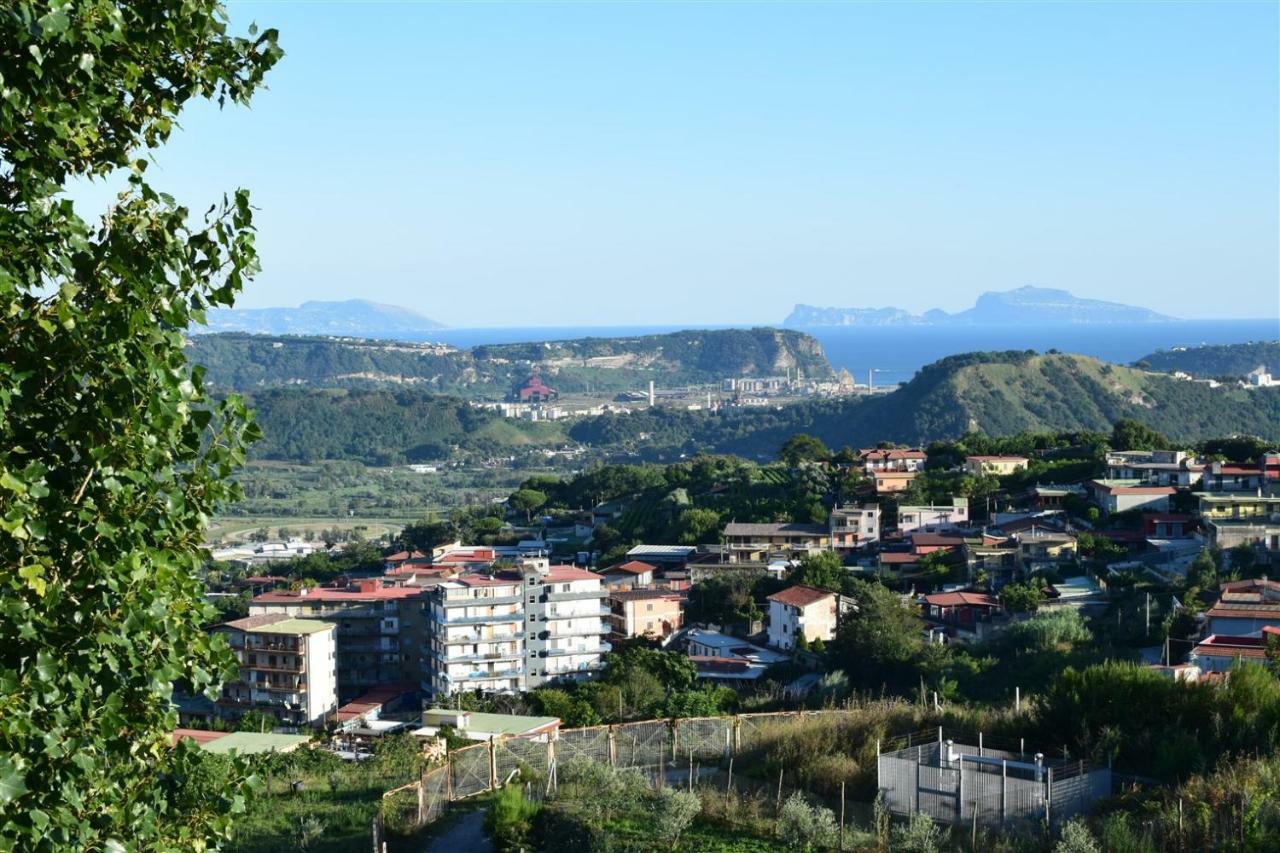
point(897, 352)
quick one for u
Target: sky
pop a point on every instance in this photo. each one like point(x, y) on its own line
point(525, 164)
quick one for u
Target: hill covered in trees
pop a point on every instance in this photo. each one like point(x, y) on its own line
point(1221, 360)
point(997, 394)
point(243, 362)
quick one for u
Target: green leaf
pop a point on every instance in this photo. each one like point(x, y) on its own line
point(13, 782)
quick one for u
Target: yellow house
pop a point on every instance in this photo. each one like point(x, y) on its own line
point(1001, 466)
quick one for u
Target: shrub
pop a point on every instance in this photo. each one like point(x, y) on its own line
point(807, 826)
point(673, 811)
point(509, 820)
point(1076, 838)
point(921, 835)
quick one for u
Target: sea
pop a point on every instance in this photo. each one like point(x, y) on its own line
point(895, 353)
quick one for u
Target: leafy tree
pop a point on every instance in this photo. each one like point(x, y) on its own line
point(698, 526)
point(428, 534)
point(112, 458)
point(823, 569)
point(673, 811)
point(527, 501)
point(1022, 597)
point(806, 826)
point(1203, 574)
point(801, 448)
point(877, 642)
point(1129, 434)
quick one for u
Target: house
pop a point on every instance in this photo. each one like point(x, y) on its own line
point(802, 611)
point(662, 555)
point(363, 715)
point(963, 611)
point(1054, 496)
point(1077, 592)
point(241, 743)
point(1114, 496)
point(632, 574)
point(998, 562)
point(853, 527)
point(1221, 653)
point(889, 482)
point(762, 542)
point(645, 612)
point(720, 657)
point(1173, 468)
point(1001, 466)
point(474, 725)
point(1245, 608)
point(393, 561)
point(927, 543)
point(1040, 549)
point(877, 459)
point(1232, 477)
point(287, 669)
point(1168, 525)
point(934, 518)
point(1242, 519)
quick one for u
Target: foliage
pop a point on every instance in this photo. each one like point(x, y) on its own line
point(877, 642)
point(822, 569)
point(673, 811)
point(1217, 359)
point(509, 819)
point(1076, 838)
point(1022, 597)
point(801, 448)
point(1128, 434)
point(111, 458)
point(1045, 631)
point(527, 501)
point(919, 835)
point(805, 826)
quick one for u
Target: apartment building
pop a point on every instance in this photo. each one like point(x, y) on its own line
point(515, 630)
point(853, 527)
point(645, 612)
point(802, 610)
point(1154, 467)
point(288, 669)
point(763, 542)
point(379, 628)
point(880, 459)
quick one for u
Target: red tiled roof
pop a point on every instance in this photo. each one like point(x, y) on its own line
point(1245, 610)
point(647, 594)
point(957, 599)
point(401, 556)
point(632, 567)
point(878, 453)
point(322, 593)
point(467, 555)
point(935, 539)
point(800, 595)
point(1245, 647)
point(1252, 583)
point(894, 557)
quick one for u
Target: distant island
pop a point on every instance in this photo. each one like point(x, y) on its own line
point(1022, 305)
point(354, 317)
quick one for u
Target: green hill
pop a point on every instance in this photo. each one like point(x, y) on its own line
point(243, 362)
point(1234, 360)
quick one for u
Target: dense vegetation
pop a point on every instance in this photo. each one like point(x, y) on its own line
point(1221, 360)
point(246, 362)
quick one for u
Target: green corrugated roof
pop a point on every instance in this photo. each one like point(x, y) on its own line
point(504, 724)
point(294, 626)
point(252, 743)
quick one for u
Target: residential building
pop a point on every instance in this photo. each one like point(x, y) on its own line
point(1000, 466)
point(1054, 496)
point(1239, 519)
point(722, 658)
point(961, 611)
point(763, 542)
point(1233, 477)
point(663, 555)
point(854, 527)
point(1245, 608)
point(476, 635)
point(1040, 549)
point(1114, 496)
point(802, 611)
point(889, 482)
point(1222, 653)
point(287, 669)
point(876, 459)
point(474, 725)
point(380, 628)
point(633, 574)
point(645, 612)
point(564, 622)
point(1173, 468)
point(1166, 525)
point(926, 519)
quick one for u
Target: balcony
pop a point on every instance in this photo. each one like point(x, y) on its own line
point(501, 619)
point(590, 614)
point(555, 653)
point(292, 669)
point(482, 601)
point(580, 632)
point(495, 656)
point(575, 596)
point(455, 639)
point(481, 676)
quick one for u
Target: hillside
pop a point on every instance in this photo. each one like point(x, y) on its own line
point(358, 317)
point(1234, 360)
point(247, 362)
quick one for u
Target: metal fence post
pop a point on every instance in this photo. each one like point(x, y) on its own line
point(613, 747)
point(960, 790)
point(1004, 791)
point(1048, 797)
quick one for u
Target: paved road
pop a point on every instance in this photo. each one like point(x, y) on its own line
point(464, 835)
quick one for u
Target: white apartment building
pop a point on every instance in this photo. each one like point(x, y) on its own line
point(802, 610)
point(934, 519)
point(288, 669)
point(515, 631)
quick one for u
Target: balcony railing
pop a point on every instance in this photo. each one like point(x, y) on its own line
point(482, 676)
point(502, 619)
point(482, 601)
point(604, 648)
point(576, 596)
point(455, 639)
point(591, 614)
point(447, 659)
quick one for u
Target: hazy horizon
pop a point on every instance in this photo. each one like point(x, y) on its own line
point(619, 164)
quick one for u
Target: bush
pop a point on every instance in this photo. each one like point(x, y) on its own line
point(921, 835)
point(673, 811)
point(510, 818)
point(806, 826)
point(1076, 838)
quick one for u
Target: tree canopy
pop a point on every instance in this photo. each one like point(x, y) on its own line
point(112, 459)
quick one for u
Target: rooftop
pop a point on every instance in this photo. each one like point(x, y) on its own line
point(500, 724)
point(631, 567)
point(961, 599)
point(275, 623)
point(801, 595)
point(734, 528)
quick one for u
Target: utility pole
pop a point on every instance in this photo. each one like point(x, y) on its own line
point(1148, 614)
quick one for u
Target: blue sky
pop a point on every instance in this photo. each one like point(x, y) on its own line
point(608, 164)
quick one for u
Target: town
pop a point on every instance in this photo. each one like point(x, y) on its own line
point(524, 618)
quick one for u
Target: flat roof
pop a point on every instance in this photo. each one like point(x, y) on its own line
point(504, 724)
point(253, 743)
